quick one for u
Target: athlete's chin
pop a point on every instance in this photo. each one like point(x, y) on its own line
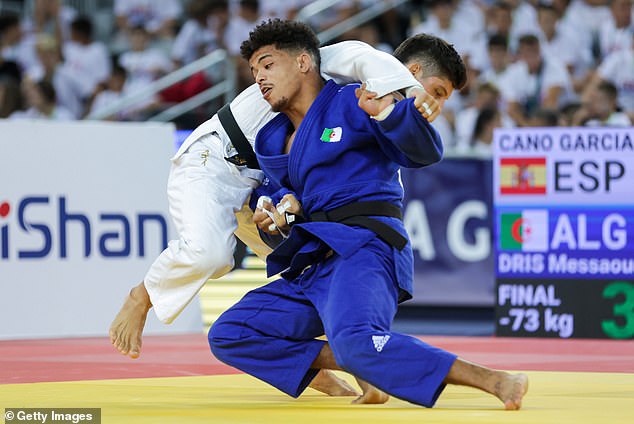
point(278, 105)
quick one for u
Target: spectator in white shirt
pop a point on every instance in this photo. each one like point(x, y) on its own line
point(110, 93)
point(240, 24)
point(52, 69)
point(41, 103)
point(585, 17)
point(462, 14)
point(442, 23)
point(115, 89)
point(159, 17)
point(487, 96)
point(471, 13)
point(500, 19)
point(618, 68)
point(556, 40)
point(498, 60)
point(51, 17)
point(286, 9)
point(524, 18)
point(499, 24)
point(599, 107)
point(203, 32)
point(534, 81)
point(87, 60)
point(616, 33)
point(487, 120)
point(143, 63)
point(14, 47)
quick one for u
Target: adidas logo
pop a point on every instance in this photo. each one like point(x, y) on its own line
point(379, 342)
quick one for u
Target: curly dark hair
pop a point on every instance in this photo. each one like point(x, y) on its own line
point(284, 35)
point(436, 56)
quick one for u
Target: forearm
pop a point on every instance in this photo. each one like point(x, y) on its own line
point(355, 61)
point(412, 140)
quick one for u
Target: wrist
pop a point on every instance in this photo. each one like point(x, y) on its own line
point(409, 90)
point(384, 113)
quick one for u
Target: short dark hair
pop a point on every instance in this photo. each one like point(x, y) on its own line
point(545, 6)
point(529, 40)
point(609, 89)
point(7, 21)
point(548, 117)
point(199, 9)
point(486, 116)
point(218, 5)
point(435, 3)
point(503, 5)
point(284, 35)
point(82, 25)
point(13, 97)
point(118, 71)
point(254, 5)
point(498, 40)
point(488, 87)
point(567, 112)
point(436, 56)
point(47, 90)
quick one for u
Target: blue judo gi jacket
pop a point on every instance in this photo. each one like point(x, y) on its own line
point(339, 156)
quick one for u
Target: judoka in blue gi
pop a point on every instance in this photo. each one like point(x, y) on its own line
point(349, 264)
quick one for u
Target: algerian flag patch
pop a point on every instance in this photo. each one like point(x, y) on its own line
point(331, 135)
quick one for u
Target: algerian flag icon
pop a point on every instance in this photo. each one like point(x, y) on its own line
point(331, 135)
point(526, 231)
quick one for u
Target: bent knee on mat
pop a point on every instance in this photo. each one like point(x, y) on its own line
point(222, 336)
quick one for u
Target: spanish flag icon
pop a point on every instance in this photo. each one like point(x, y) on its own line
point(523, 175)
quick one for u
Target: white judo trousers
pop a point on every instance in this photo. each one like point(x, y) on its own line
point(208, 195)
point(207, 198)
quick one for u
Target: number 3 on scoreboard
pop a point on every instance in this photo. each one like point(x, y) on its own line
point(624, 309)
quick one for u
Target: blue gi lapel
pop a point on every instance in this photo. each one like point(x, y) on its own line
point(303, 136)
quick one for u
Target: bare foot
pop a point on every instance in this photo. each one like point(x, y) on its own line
point(127, 327)
point(371, 395)
point(511, 389)
point(327, 382)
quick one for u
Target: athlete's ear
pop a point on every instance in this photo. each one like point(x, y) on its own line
point(305, 62)
point(414, 68)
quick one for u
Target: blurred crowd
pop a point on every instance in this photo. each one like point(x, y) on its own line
point(530, 62)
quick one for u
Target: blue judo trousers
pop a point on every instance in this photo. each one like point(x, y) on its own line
point(339, 156)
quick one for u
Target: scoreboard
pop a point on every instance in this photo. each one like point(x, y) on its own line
point(564, 232)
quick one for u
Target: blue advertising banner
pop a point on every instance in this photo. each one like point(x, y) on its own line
point(448, 217)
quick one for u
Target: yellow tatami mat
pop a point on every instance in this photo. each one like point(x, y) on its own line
point(553, 397)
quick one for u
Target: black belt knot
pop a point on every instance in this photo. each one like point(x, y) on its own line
point(358, 213)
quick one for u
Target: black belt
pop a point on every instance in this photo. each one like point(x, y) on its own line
point(358, 214)
point(246, 155)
